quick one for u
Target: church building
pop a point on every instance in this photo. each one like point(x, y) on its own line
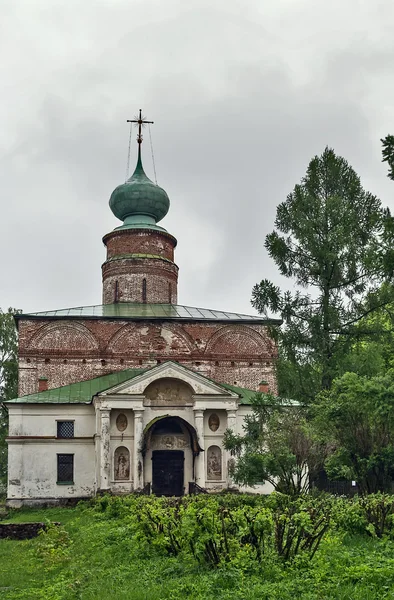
point(133, 394)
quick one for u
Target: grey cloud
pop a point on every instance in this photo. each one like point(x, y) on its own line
point(242, 98)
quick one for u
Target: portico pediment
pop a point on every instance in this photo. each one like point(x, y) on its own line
point(199, 384)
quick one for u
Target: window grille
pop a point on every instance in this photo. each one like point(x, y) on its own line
point(65, 429)
point(65, 468)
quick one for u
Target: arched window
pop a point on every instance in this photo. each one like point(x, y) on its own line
point(122, 464)
point(214, 463)
point(144, 290)
point(169, 293)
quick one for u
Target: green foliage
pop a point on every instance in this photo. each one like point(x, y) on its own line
point(8, 377)
point(8, 355)
point(372, 514)
point(278, 446)
point(388, 154)
point(110, 558)
point(356, 419)
point(54, 545)
point(378, 510)
point(215, 533)
point(334, 240)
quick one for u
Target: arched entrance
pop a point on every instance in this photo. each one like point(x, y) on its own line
point(170, 448)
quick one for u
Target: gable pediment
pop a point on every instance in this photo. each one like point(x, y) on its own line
point(199, 384)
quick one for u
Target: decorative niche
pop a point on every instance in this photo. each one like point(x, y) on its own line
point(214, 422)
point(121, 422)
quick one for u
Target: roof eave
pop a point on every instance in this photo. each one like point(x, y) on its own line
point(253, 321)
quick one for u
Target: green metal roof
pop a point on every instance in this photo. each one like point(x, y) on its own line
point(135, 311)
point(245, 394)
point(83, 391)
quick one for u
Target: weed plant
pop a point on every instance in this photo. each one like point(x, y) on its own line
point(222, 547)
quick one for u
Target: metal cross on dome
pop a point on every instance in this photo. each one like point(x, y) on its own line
point(141, 122)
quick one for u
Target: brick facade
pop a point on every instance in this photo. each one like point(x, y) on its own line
point(140, 267)
point(67, 351)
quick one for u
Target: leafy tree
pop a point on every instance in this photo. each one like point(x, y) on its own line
point(372, 353)
point(334, 240)
point(278, 446)
point(8, 377)
point(356, 419)
point(388, 153)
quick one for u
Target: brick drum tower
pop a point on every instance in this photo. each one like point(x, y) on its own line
point(140, 255)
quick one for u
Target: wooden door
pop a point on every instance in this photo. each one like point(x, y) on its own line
point(167, 472)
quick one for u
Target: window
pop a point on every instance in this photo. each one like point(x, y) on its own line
point(65, 468)
point(144, 291)
point(65, 429)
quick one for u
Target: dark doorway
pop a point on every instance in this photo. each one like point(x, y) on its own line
point(167, 472)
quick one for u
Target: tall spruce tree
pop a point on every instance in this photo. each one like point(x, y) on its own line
point(388, 154)
point(334, 240)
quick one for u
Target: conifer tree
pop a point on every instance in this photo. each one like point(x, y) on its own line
point(388, 153)
point(334, 241)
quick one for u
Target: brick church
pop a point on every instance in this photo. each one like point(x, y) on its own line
point(134, 393)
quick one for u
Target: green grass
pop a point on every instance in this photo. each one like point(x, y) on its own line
point(104, 559)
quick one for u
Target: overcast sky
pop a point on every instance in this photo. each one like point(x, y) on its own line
point(243, 95)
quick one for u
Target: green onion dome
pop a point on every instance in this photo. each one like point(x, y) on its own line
point(139, 200)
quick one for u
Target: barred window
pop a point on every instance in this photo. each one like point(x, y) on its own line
point(65, 429)
point(65, 468)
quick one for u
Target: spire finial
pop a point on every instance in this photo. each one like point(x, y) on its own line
point(141, 122)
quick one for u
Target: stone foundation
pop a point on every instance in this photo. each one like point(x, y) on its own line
point(22, 531)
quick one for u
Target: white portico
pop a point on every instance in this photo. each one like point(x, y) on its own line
point(159, 430)
point(163, 430)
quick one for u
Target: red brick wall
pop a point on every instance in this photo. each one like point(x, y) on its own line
point(129, 271)
point(69, 351)
point(134, 241)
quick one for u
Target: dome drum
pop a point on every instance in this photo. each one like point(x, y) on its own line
point(122, 242)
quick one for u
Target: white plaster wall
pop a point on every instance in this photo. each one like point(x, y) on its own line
point(33, 469)
point(41, 419)
point(33, 462)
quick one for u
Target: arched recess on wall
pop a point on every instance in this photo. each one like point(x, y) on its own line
point(122, 464)
point(227, 341)
point(58, 336)
point(167, 339)
point(169, 391)
point(214, 463)
point(150, 428)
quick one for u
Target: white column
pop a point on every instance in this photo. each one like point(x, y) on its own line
point(105, 459)
point(138, 461)
point(232, 425)
point(200, 459)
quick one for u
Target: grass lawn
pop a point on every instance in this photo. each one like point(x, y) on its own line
point(103, 558)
